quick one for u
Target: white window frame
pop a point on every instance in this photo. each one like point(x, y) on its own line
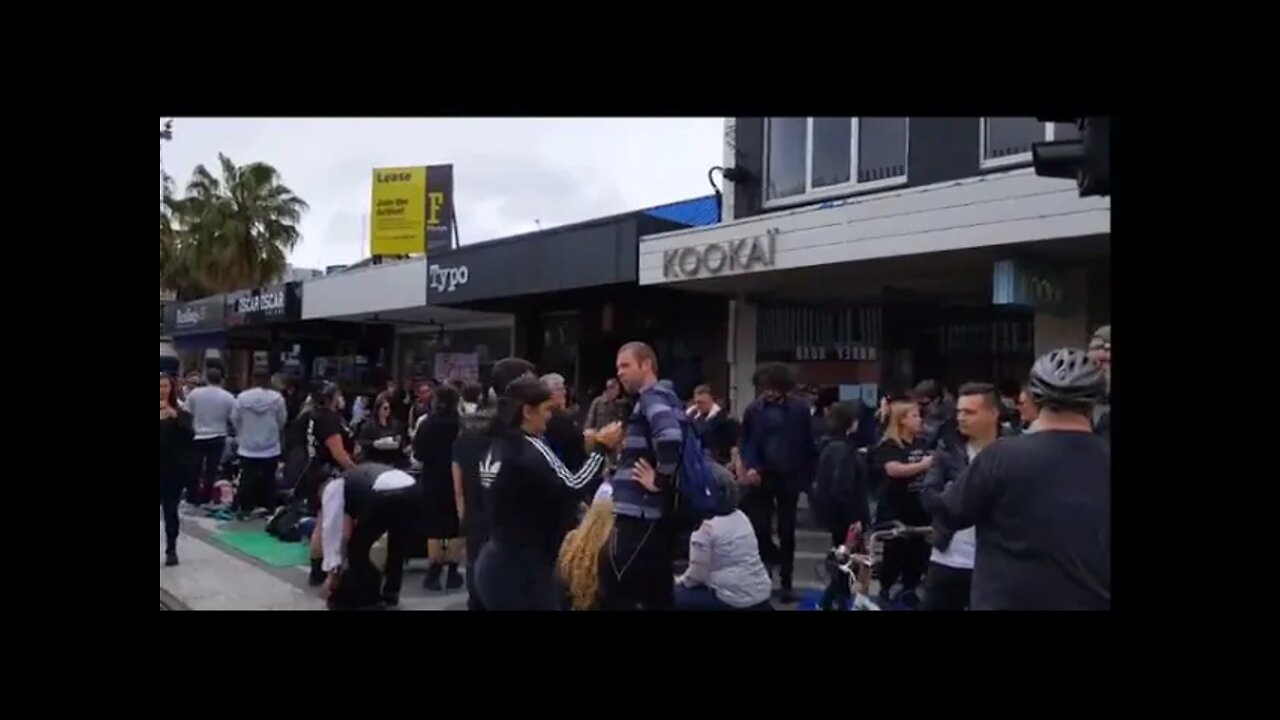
point(1006, 161)
point(852, 186)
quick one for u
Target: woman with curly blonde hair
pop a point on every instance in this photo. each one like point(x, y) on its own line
point(579, 563)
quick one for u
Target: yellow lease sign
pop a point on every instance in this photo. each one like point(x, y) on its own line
point(398, 220)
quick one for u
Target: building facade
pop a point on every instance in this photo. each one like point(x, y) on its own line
point(875, 252)
point(573, 295)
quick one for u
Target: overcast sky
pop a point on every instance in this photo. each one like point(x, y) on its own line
point(508, 172)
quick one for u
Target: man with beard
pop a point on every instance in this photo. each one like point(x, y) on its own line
point(472, 476)
point(606, 408)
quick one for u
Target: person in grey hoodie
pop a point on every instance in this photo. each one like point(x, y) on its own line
point(210, 407)
point(259, 417)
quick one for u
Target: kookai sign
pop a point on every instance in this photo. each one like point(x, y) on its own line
point(271, 304)
point(197, 316)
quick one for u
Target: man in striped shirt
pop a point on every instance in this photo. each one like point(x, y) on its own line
point(636, 570)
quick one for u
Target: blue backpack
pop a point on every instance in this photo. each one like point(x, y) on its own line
point(696, 495)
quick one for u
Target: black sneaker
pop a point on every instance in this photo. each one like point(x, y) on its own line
point(432, 580)
point(318, 575)
point(391, 600)
point(786, 596)
point(171, 558)
point(453, 581)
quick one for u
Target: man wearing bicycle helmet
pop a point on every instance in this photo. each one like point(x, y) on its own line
point(1041, 503)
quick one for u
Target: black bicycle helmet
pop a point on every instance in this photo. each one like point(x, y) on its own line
point(1067, 377)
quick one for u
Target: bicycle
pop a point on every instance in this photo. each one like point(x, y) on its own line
point(858, 557)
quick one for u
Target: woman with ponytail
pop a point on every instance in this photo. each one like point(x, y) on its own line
point(530, 489)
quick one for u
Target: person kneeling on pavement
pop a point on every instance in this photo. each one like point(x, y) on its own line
point(725, 570)
point(378, 499)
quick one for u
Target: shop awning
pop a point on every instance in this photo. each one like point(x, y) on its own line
point(200, 341)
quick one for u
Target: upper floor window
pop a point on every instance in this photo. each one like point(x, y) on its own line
point(829, 155)
point(1007, 140)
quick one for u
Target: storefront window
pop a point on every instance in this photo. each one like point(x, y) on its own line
point(467, 354)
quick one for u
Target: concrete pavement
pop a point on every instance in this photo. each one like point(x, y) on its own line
point(212, 576)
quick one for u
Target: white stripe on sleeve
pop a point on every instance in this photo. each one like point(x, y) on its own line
point(573, 480)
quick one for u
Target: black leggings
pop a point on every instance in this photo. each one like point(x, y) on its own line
point(904, 558)
point(516, 579)
point(636, 566)
point(475, 543)
point(169, 496)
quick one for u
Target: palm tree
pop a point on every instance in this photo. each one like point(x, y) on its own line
point(229, 232)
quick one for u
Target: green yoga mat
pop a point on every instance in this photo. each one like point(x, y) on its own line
point(266, 548)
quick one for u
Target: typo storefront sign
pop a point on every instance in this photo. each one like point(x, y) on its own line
point(721, 258)
point(447, 279)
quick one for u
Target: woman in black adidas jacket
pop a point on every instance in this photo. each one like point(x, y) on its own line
point(516, 569)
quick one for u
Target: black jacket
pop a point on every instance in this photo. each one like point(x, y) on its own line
point(778, 437)
point(940, 425)
point(841, 488)
point(950, 460)
point(176, 444)
point(529, 493)
point(718, 433)
point(371, 431)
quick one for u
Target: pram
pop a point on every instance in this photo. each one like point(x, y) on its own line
point(858, 557)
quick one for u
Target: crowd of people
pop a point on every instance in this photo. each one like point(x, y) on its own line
point(547, 508)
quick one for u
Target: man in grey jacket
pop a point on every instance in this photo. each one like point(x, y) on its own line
point(259, 417)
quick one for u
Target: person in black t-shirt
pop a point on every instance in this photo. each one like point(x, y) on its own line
point(330, 444)
point(1041, 502)
point(902, 457)
point(473, 474)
